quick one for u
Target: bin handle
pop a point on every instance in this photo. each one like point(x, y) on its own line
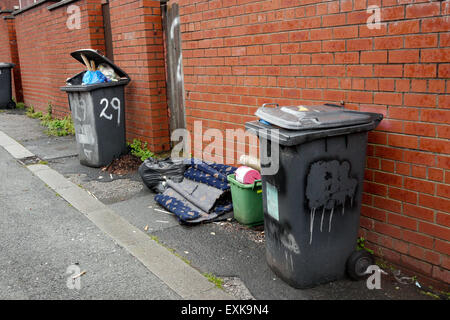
point(254, 184)
point(268, 104)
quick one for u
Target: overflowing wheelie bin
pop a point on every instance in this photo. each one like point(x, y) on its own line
point(98, 111)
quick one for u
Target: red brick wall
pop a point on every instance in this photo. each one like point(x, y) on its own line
point(8, 4)
point(138, 48)
point(45, 43)
point(9, 53)
point(240, 54)
point(5, 44)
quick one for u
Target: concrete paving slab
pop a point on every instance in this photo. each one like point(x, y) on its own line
point(6, 140)
point(108, 192)
point(48, 148)
point(54, 179)
point(142, 210)
point(31, 134)
point(13, 147)
point(80, 199)
point(108, 188)
point(18, 151)
point(19, 127)
point(37, 167)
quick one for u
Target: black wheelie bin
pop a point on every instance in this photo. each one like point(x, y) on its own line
point(6, 101)
point(98, 113)
point(312, 201)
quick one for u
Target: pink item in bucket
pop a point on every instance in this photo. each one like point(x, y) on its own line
point(247, 175)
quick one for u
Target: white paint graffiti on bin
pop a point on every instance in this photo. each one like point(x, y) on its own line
point(80, 110)
point(86, 139)
point(289, 260)
point(85, 134)
point(115, 104)
point(283, 237)
point(88, 154)
point(289, 243)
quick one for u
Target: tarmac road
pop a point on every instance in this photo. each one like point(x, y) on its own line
point(41, 236)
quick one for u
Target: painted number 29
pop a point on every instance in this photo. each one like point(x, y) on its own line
point(115, 104)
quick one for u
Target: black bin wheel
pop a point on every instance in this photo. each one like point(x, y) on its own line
point(11, 105)
point(357, 264)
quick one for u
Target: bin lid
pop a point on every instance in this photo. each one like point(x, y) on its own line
point(287, 137)
point(311, 117)
point(6, 65)
point(98, 58)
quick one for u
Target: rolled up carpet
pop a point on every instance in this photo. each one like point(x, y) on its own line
point(250, 161)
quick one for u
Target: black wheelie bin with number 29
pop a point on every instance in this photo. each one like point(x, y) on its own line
point(98, 112)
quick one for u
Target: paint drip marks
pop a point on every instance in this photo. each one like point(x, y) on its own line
point(329, 185)
point(282, 236)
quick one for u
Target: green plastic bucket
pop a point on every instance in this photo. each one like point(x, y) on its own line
point(247, 201)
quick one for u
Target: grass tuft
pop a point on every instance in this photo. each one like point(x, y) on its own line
point(212, 278)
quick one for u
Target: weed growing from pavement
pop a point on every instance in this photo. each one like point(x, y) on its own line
point(430, 294)
point(63, 127)
point(55, 127)
point(156, 239)
point(32, 114)
point(361, 245)
point(20, 105)
point(445, 294)
point(427, 291)
point(140, 150)
point(212, 278)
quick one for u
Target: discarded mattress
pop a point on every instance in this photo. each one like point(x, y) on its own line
point(202, 196)
point(212, 174)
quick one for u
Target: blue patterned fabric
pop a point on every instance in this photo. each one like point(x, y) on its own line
point(223, 168)
point(211, 171)
point(223, 209)
point(212, 174)
point(177, 207)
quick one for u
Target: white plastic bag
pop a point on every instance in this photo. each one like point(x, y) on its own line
point(109, 72)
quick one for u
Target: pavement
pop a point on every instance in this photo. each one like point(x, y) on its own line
point(60, 214)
